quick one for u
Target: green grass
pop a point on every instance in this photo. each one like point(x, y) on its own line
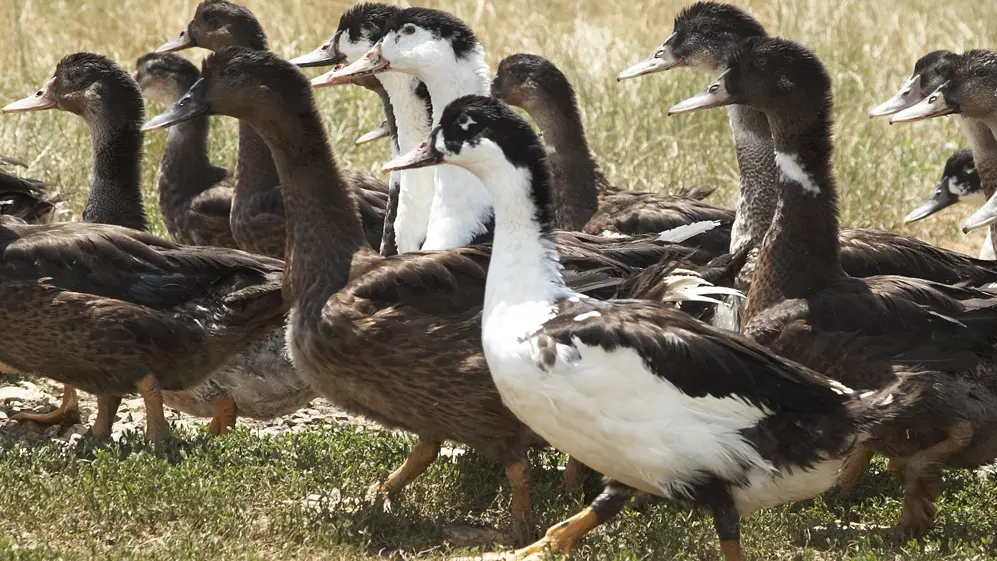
point(240, 497)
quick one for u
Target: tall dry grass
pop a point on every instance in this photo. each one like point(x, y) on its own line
point(869, 47)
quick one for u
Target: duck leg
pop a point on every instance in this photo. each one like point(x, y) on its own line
point(921, 474)
point(727, 523)
point(573, 473)
point(423, 454)
point(563, 537)
point(156, 427)
point(855, 466)
point(226, 413)
point(107, 409)
point(518, 474)
point(68, 412)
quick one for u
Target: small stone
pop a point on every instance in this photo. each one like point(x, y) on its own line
point(53, 431)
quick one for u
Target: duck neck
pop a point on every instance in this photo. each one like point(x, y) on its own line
point(462, 209)
point(525, 271)
point(575, 194)
point(323, 223)
point(981, 137)
point(186, 170)
point(799, 254)
point(413, 122)
point(756, 163)
point(116, 175)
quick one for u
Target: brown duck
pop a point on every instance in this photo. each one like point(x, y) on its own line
point(110, 309)
point(195, 197)
point(257, 218)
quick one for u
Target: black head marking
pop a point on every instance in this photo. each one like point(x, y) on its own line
point(960, 169)
point(366, 20)
point(443, 25)
point(934, 69)
point(468, 120)
point(708, 31)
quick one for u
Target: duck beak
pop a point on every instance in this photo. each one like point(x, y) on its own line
point(662, 59)
point(424, 155)
point(368, 65)
point(381, 131)
point(39, 101)
point(714, 96)
point(932, 106)
point(183, 41)
point(908, 96)
point(986, 216)
point(326, 55)
point(942, 198)
point(192, 104)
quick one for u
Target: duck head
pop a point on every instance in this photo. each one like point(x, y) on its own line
point(930, 72)
point(703, 36)
point(960, 182)
point(242, 83)
point(86, 84)
point(530, 81)
point(360, 27)
point(416, 40)
point(969, 91)
point(218, 24)
point(780, 78)
point(164, 78)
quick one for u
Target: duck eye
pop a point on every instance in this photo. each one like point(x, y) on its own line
point(367, 27)
point(760, 62)
point(408, 29)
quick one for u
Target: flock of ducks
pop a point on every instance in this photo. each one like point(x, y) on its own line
point(498, 291)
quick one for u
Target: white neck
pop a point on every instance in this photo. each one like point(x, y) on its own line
point(461, 207)
point(524, 273)
point(416, 186)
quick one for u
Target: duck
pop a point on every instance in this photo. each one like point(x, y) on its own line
point(410, 107)
point(592, 204)
point(699, 415)
point(960, 182)
point(195, 197)
point(395, 339)
point(800, 297)
point(111, 309)
point(930, 71)
point(257, 209)
point(25, 199)
point(249, 375)
point(704, 34)
point(975, 125)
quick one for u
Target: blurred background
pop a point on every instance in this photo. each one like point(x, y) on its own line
point(868, 46)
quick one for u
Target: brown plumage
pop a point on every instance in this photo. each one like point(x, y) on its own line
point(257, 218)
point(585, 199)
point(802, 304)
point(150, 315)
point(396, 339)
point(195, 197)
point(25, 198)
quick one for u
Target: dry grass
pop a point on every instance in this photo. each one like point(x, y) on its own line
point(868, 46)
point(239, 498)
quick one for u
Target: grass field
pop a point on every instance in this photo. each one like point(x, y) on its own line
point(240, 497)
